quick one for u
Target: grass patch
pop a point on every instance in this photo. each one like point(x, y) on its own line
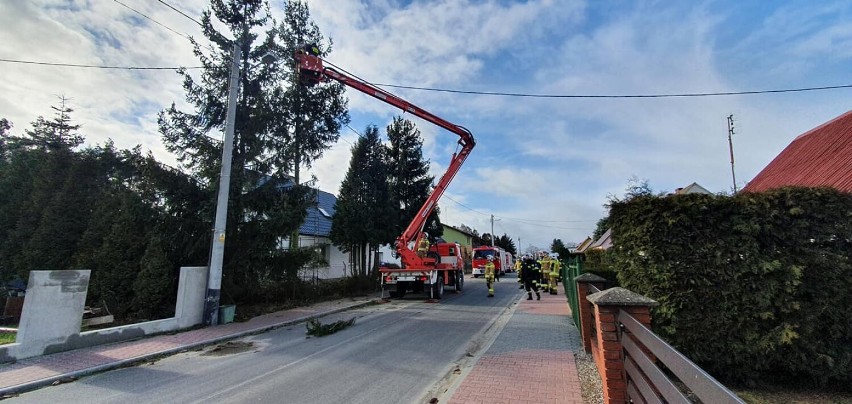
point(7, 338)
point(781, 395)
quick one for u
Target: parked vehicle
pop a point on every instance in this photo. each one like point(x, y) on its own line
point(503, 261)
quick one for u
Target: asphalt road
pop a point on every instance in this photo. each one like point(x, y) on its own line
point(405, 351)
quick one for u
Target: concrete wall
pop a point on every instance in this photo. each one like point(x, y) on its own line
point(53, 312)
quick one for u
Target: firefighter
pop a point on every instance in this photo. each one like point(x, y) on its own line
point(423, 245)
point(555, 266)
point(544, 263)
point(489, 275)
point(518, 272)
point(530, 276)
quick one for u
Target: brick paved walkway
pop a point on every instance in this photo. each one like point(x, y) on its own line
point(531, 361)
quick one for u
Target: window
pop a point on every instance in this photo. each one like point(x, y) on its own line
point(324, 213)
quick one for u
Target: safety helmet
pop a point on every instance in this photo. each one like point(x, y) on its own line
point(490, 258)
point(425, 234)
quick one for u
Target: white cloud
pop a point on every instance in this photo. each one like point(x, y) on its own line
point(552, 159)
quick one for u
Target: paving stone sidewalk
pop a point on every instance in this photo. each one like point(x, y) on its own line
point(530, 361)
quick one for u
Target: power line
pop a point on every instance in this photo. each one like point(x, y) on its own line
point(180, 12)
point(151, 19)
point(708, 94)
point(96, 66)
point(547, 221)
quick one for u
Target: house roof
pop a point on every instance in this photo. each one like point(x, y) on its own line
point(604, 242)
point(819, 157)
point(582, 247)
point(318, 220)
point(693, 188)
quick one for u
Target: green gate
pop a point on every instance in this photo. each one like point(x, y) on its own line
point(571, 269)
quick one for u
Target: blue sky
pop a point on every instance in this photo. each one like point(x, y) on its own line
point(544, 167)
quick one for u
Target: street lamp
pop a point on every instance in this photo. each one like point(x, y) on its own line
point(217, 249)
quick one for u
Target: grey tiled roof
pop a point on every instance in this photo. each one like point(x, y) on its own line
point(316, 222)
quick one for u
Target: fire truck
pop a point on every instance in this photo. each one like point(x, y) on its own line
point(442, 264)
point(502, 260)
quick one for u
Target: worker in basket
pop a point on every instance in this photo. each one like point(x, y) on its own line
point(423, 245)
point(489, 275)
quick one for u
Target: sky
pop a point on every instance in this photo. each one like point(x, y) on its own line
point(544, 167)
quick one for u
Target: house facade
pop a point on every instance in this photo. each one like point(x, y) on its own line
point(314, 232)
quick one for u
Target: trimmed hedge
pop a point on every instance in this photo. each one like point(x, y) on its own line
point(754, 287)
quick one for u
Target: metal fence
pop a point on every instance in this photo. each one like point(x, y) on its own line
point(571, 269)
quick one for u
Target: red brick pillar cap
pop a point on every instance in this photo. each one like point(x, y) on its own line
point(620, 297)
point(589, 278)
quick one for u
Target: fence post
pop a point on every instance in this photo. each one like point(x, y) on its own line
point(607, 303)
point(587, 315)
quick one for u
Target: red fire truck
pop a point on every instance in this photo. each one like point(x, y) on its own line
point(503, 261)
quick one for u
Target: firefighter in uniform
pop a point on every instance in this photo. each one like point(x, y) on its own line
point(518, 272)
point(530, 276)
point(544, 263)
point(555, 266)
point(489, 275)
point(423, 245)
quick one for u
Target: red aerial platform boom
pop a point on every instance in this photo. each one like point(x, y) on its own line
point(312, 71)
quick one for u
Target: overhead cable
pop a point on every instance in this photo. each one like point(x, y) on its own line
point(151, 19)
point(96, 66)
point(674, 95)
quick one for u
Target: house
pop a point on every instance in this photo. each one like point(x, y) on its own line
point(819, 157)
point(315, 231)
point(693, 188)
point(464, 238)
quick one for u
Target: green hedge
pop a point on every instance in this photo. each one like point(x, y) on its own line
point(755, 287)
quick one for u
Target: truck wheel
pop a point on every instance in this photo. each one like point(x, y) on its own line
point(400, 290)
point(459, 282)
point(439, 288)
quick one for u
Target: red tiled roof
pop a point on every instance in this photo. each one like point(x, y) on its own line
point(819, 157)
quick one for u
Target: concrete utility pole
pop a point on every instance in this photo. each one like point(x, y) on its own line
point(217, 250)
point(731, 148)
point(492, 230)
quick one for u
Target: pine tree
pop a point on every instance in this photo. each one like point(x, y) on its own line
point(506, 243)
point(154, 285)
point(279, 125)
point(364, 204)
point(409, 177)
point(41, 161)
point(559, 247)
point(5, 127)
point(310, 116)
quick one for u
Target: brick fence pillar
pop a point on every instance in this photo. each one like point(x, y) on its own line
point(607, 304)
point(587, 314)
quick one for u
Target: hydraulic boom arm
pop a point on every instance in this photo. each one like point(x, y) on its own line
point(312, 71)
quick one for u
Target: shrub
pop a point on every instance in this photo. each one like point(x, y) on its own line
point(750, 287)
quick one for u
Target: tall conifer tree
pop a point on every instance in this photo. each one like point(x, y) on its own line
point(409, 176)
point(360, 222)
point(261, 210)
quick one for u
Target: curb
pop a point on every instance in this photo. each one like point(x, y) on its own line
point(6, 392)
